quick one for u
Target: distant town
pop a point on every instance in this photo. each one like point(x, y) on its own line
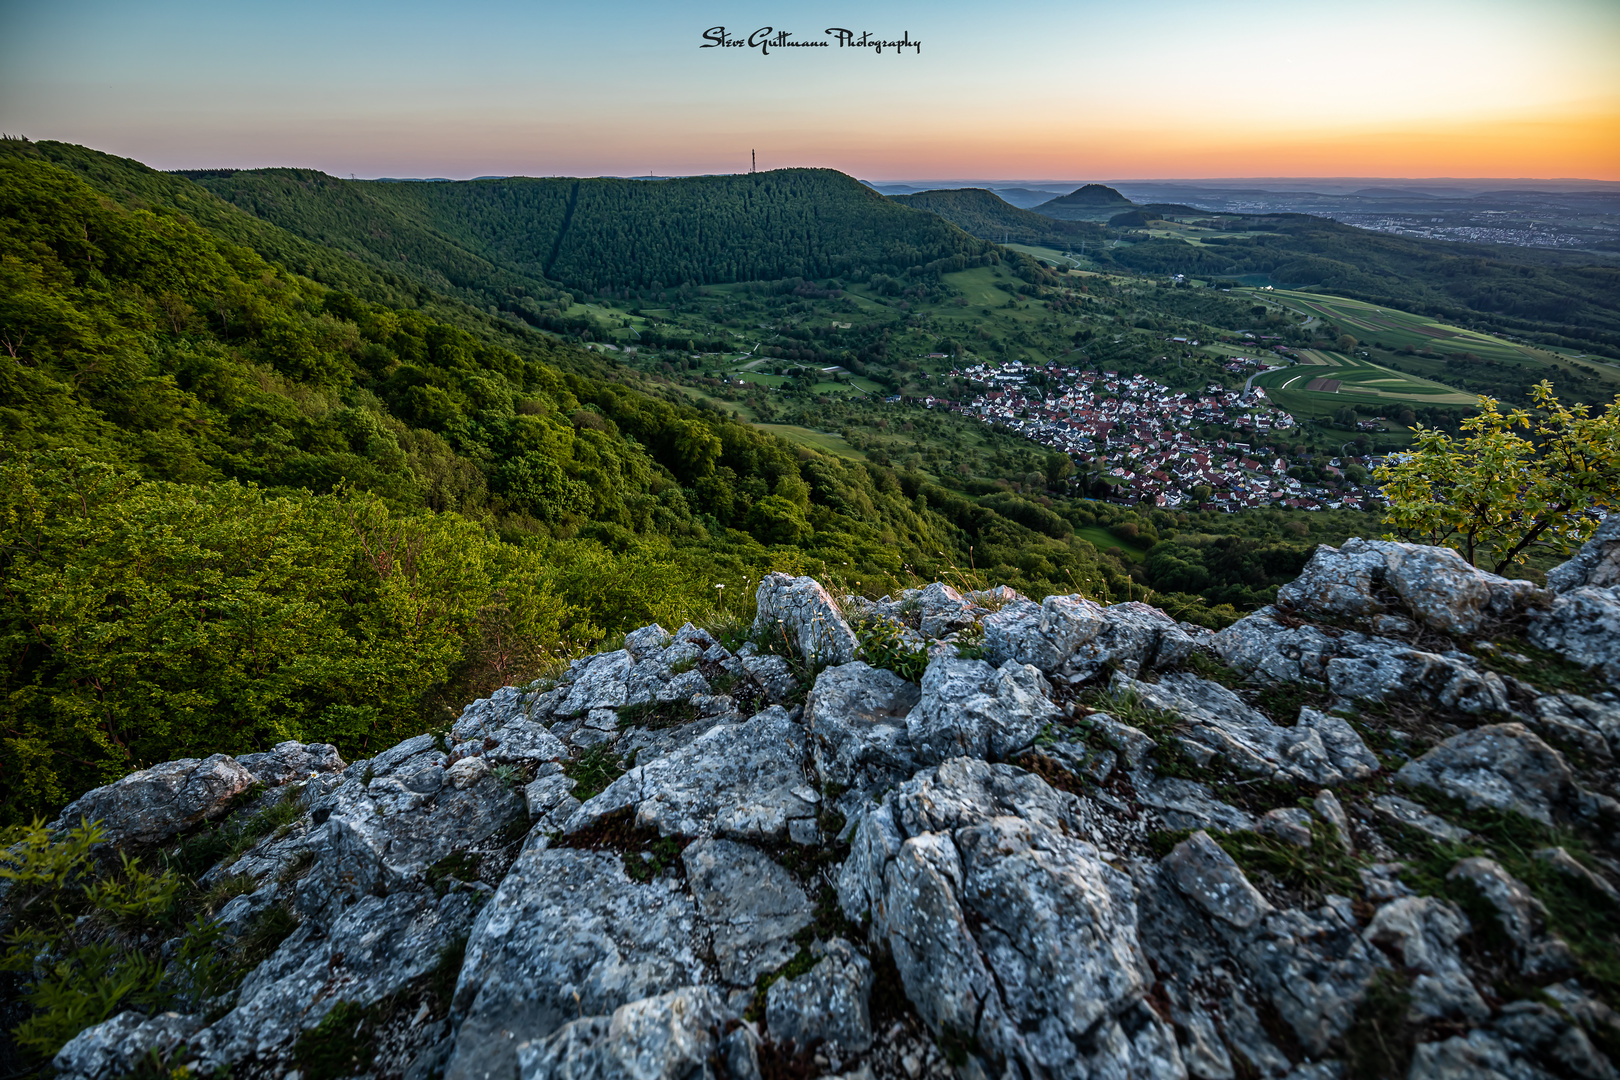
point(1142, 437)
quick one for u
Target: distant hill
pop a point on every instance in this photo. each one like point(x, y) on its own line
point(602, 234)
point(1093, 202)
point(1026, 197)
point(985, 214)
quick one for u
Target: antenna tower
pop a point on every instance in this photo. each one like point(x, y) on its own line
point(753, 161)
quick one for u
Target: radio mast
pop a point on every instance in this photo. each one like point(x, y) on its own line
point(753, 161)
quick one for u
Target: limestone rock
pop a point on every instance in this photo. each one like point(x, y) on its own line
point(1044, 634)
point(1209, 877)
point(745, 781)
point(1076, 638)
point(1452, 680)
point(601, 685)
point(1423, 932)
point(1521, 915)
point(752, 905)
point(968, 707)
point(292, 760)
point(773, 674)
point(1004, 926)
point(1561, 861)
point(1597, 563)
point(1592, 727)
point(647, 641)
point(153, 804)
point(806, 613)
point(1188, 804)
point(1503, 766)
point(1583, 626)
point(943, 610)
point(1408, 814)
point(1320, 749)
point(829, 1002)
point(1289, 824)
point(1435, 584)
point(374, 948)
point(114, 1047)
point(668, 1037)
point(855, 717)
point(381, 837)
point(567, 934)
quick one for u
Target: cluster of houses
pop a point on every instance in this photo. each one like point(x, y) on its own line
point(1141, 436)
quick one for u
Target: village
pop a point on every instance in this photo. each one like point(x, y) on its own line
point(1142, 438)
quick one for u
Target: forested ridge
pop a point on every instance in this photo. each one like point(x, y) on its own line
point(240, 506)
point(603, 233)
point(985, 214)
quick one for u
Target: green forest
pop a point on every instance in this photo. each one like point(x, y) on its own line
point(240, 506)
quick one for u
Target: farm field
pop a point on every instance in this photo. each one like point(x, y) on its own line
point(1326, 381)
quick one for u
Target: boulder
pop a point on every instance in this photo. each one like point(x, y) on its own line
point(1422, 931)
point(1522, 917)
point(566, 935)
point(804, 612)
point(1076, 638)
point(115, 1047)
point(746, 781)
point(829, 1002)
point(855, 717)
point(1319, 749)
point(752, 905)
point(1453, 680)
point(1597, 563)
point(1502, 766)
point(647, 641)
point(1044, 634)
point(968, 707)
point(1592, 727)
point(154, 804)
point(292, 760)
point(943, 610)
point(601, 685)
point(669, 1037)
point(1435, 584)
point(1407, 814)
point(1207, 875)
point(373, 949)
point(1008, 931)
point(1583, 626)
point(1273, 648)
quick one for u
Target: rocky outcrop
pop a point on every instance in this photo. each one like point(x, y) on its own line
point(802, 613)
point(1074, 638)
point(154, 804)
point(1084, 842)
point(1436, 587)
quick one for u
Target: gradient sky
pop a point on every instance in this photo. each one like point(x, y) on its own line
point(1065, 89)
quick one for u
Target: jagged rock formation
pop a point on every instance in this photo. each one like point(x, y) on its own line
point(1087, 842)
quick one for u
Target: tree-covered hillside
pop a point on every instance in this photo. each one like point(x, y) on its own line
point(240, 507)
point(1092, 202)
point(602, 234)
point(986, 215)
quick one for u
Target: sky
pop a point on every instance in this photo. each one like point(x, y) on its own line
point(1076, 89)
